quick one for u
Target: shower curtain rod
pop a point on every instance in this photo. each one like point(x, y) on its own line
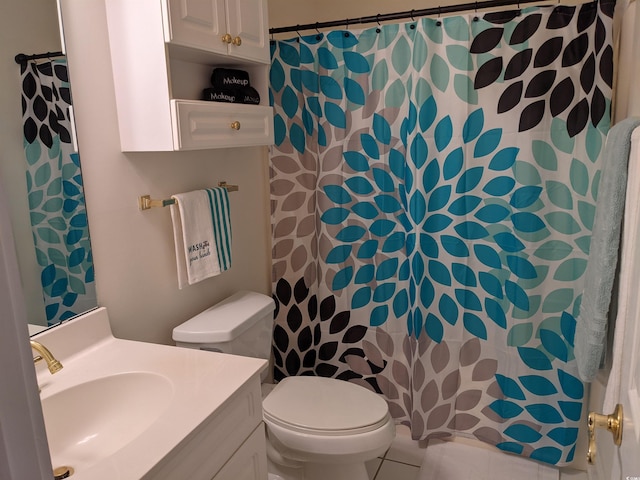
point(402, 15)
point(23, 58)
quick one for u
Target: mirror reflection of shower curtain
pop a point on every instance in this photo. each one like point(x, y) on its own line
point(56, 195)
point(433, 187)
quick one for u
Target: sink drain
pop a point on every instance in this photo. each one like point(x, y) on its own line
point(62, 472)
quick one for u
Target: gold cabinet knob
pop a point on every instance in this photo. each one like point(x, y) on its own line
point(237, 41)
point(227, 38)
point(612, 422)
point(235, 125)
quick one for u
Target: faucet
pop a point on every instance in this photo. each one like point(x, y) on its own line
point(52, 363)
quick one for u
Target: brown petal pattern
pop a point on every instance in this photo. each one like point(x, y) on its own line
point(438, 416)
point(485, 369)
point(462, 422)
point(489, 435)
point(430, 396)
point(468, 399)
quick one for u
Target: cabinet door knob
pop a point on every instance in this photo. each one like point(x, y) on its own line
point(237, 41)
point(227, 38)
point(235, 125)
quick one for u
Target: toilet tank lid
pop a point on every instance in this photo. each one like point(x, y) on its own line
point(225, 320)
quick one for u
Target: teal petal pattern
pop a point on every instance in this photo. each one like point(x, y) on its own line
point(55, 193)
point(440, 250)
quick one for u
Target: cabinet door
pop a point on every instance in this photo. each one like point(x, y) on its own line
point(196, 23)
point(205, 124)
point(249, 462)
point(247, 20)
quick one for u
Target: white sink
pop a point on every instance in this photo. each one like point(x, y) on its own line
point(127, 410)
point(90, 421)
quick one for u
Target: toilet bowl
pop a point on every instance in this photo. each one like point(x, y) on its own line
point(317, 428)
point(323, 425)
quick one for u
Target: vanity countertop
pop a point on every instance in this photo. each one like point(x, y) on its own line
point(194, 386)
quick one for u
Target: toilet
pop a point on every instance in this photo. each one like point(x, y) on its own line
point(317, 428)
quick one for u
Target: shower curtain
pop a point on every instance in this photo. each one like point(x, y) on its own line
point(56, 195)
point(433, 187)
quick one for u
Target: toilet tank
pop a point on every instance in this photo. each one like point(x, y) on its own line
point(241, 324)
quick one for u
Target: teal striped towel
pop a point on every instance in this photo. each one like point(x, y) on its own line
point(220, 217)
point(202, 234)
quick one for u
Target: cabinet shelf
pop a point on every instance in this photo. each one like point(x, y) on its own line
point(163, 54)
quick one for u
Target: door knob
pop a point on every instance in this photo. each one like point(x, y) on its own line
point(612, 422)
point(227, 38)
point(237, 41)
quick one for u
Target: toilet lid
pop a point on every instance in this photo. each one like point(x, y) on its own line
point(324, 406)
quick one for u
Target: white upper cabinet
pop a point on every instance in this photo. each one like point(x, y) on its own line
point(163, 53)
point(237, 27)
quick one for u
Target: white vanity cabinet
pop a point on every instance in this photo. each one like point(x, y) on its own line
point(230, 445)
point(157, 412)
point(163, 53)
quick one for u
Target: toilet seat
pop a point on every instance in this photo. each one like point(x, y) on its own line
point(325, 407)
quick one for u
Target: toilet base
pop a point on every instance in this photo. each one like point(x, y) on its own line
point(315, 471)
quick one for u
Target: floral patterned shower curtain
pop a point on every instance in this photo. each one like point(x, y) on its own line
point(433, 192)
point(56, 193)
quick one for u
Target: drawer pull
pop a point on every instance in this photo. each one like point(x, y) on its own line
point(237, 41)
point(226, 38)
point(235, 125)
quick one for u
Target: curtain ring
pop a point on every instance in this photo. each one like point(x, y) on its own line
point(319, 35)
point(413, 25)
point(378, 21)
point(299, 36)
point(475, 18)
point(346, 34)
point(439, 22)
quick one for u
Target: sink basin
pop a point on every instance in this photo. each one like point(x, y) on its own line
point(90, 421)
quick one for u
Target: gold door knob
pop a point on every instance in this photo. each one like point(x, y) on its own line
point(235, 125)
point(226, 38)
point(612, 422)
point(237, 41)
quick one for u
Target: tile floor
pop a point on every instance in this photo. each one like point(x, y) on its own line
point(401, 462)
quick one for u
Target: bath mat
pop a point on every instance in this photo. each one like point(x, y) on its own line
point(457, 461)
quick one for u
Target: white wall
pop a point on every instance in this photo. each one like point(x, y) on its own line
point(291, 12)
point(295, 12)
point(133, 250)
point(26, 26)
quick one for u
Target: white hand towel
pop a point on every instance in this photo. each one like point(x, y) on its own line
point(202, 234)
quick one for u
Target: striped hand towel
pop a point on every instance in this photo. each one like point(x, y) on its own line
point(221, 219)
point(202, 234)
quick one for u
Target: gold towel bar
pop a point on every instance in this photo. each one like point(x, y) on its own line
point(145, 202)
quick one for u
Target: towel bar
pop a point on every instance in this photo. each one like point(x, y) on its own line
point(145, 202)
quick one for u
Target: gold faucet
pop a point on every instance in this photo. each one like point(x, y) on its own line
point(52, 363)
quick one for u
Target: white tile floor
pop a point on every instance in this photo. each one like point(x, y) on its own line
point(401, 462)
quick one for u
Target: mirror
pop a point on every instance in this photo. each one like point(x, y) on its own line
point(41, 172)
